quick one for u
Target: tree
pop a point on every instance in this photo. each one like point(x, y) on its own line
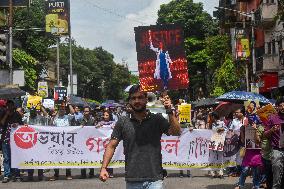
point(35, 43)
point(99, 77)
point(227, 77)
point(30, 66)
point(197, 25)
point(196, 22)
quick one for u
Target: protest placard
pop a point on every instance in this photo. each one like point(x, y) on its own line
point(281, 141)
point(48, 103)
point(251, 106)
point(184, 113)
point(42, 89)
point(60, 93)
point(265, 112)
point(34, 102)
point(217, 141)
point(250, 138)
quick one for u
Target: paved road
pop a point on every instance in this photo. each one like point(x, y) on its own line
point(199, 181)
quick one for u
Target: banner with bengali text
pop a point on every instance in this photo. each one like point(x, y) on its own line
point(42, 147)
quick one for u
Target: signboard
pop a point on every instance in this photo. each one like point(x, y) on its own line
point(242, 44)
point(184, 113)
point(250, 138)
point(46, 147)
point(42, 89)
point(161, 57)
point(254, 88)
point(16, 3)
point(60, 93)
point(57, 17)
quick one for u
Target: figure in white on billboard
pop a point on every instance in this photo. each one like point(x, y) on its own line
point(162, 70)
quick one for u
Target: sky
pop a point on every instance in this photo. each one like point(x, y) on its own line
point(110, 24)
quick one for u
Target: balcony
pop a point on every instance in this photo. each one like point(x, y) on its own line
point(268, 12)
point(271, 62)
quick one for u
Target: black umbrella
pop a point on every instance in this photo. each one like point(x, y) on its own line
point(77, 101)
point(9, 92)
point(207, 102)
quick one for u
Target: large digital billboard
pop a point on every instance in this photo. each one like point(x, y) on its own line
point(161, 58)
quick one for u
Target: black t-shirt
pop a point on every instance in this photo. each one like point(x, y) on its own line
point(142, 146)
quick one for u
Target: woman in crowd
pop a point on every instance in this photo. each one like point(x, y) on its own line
point(107, 121)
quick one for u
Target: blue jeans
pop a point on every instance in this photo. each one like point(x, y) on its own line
point(255, 174)
point(8, 171)
point(145, 185)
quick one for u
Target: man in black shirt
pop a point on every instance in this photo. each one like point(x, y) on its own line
point(141, 134)
point(10, 118)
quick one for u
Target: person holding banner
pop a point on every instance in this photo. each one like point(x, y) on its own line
point(252, 156)
point(87, 120)
point(38, 118)
point(274, 131)
point(63, 120)
point(141, 133)
point(10, 118)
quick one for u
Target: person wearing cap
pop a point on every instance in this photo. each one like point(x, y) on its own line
point(141, 133)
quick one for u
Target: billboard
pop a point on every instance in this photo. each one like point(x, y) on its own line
point(57, 19)
point(161, 58)
point(242, 44)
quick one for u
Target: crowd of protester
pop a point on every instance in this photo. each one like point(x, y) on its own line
point(265, 165)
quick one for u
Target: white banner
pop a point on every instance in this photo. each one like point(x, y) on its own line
point(41, 147)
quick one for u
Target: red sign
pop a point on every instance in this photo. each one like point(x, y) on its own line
point(25, 137)
point(267, 82)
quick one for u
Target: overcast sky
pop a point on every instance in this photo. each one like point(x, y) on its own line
point(110, 24)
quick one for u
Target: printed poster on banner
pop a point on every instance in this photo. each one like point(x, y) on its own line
point(48, 147)
point(250, 138)
point(34, 102)
point(184, 113)
point(265, 112)
point(217, 141)
point(161, 57)
point(57, 19)
point(60, 94)
point(281, 141)
point(251, 106)
point(42, 89)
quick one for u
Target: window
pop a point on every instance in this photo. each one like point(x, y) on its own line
point(269, 48)
point(273, 47)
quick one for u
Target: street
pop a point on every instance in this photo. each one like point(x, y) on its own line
point(173, 181)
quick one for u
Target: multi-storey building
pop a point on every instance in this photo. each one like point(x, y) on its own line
point(268, 35)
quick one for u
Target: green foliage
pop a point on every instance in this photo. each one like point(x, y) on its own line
point(134, 79)
point(190, 15)
point(33, 42)
point(30, 65)
point(226, 78)
point(99, 77)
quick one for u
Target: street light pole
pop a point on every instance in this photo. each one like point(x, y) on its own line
point(252, 16)
point(10, 42)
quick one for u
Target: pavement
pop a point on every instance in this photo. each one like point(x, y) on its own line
point(173, 181)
